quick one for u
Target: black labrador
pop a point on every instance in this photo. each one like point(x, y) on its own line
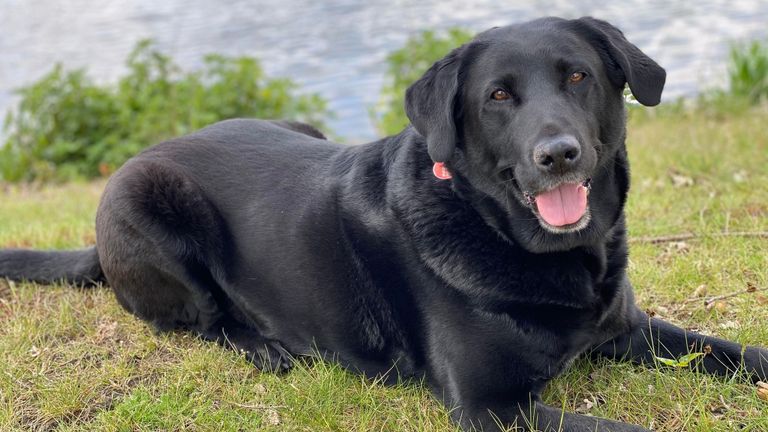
point(483, 248)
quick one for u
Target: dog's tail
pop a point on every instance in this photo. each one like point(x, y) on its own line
point(79, 267)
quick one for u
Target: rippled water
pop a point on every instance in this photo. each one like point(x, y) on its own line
point(338, 48)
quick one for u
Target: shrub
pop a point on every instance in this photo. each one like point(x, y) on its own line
point(66, 126)
point(406, 65)
point(748, 71)
point(747, 74)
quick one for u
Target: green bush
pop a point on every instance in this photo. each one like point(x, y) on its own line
point(748, 71)
point(747, 80)
point(66, 126)
point(406, 65)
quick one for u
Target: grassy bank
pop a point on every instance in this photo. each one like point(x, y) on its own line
point(72, 359)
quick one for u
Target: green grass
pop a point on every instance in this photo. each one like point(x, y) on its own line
point(72, 359)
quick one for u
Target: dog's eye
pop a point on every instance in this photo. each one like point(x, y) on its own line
point(577, 77)
point(500, 95)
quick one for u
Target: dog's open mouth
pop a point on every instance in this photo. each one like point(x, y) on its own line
point(563, 208)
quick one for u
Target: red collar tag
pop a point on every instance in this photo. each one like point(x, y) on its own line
point(440, 171)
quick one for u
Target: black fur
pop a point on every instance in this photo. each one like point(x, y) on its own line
point(282, 243)
point(80, 267)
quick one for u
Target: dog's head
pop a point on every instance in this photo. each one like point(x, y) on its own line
point(533, 115)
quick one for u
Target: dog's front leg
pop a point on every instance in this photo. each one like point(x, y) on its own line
point(489, 387)
point(650, 338)
point(534, 416)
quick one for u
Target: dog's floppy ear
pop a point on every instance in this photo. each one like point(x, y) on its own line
point(644, 76)
point(430, 102)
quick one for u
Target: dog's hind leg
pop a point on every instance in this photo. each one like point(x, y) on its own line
point(158, 245)
point(163, 248)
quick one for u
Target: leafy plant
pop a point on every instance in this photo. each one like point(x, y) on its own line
point(682, 362)
point(66, 126)
point(748, 71)
point(406, 65)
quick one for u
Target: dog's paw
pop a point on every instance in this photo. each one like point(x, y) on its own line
point(269, 356)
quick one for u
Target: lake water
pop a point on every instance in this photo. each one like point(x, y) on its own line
point(338, 48)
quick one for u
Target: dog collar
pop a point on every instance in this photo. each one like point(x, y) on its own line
point(440, 171)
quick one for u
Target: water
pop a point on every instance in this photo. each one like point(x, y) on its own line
point(338, 48)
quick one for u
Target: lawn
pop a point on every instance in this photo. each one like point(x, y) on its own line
point(72, 359)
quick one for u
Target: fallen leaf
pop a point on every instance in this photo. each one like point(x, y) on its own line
point(677, 247)
point(272, 417)
point(680, 180)
point(584, 406)
point(740, 176)
point(720, 306)
point(671, 249)
point(588, 403)
point(700, 291)
point(680, 246)
point(762, 394)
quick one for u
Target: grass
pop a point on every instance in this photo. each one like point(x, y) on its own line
point(72, 359)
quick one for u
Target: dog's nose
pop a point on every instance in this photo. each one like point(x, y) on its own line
point(557, 154)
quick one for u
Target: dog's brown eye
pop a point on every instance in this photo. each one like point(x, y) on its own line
point(500, 95)
point(576, 77)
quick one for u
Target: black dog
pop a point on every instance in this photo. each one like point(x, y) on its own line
point(487, 284)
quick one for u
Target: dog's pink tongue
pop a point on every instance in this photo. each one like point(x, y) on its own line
point(563, 205)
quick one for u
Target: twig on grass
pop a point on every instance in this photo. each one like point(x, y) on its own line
point(710, 301)
point(748, 290)
point(691, 236)
point(258, 406)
